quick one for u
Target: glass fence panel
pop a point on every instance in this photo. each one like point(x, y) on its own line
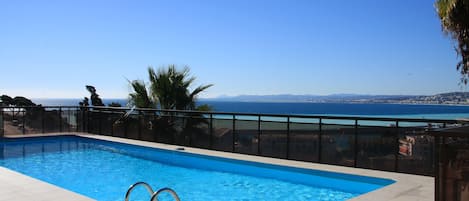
point(33, 120)
point(416, 150)
point(65, 119)
point(178, 136)
point(52, 120)
point(222, 134)
point(13, 121)
point(147, 126)
point(198, 129)
point(246, 133)
point(73, 120)
point(338, 121)
point(132, 124)
point(304, 141)
point(119, 125)
point(107, 122)
point(273, 140)
point(81, 117)
point(10, 123)
point(376, 145)
point(337, 144)
point(453, 175)
point(165, 129)
point(92, 119)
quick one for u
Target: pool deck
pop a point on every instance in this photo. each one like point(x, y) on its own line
point(17, 187)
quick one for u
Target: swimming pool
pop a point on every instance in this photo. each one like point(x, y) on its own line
point(103, 170)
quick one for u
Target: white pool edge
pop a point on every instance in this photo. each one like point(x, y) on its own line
point(406, 188)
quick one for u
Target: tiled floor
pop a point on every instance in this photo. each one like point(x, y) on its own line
point(17, 187)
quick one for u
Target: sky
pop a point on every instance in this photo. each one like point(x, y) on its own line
point(52, 49)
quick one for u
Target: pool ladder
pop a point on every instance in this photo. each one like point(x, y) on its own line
point(154, 194)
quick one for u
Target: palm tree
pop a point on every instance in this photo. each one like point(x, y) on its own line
point(454, 16)
point(140, 98)
point(170, 89)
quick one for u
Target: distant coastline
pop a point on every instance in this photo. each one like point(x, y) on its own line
point(73, 101)
point(392, 110)
point(452, 98)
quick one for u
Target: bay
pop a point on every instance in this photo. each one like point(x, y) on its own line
point(307, 108)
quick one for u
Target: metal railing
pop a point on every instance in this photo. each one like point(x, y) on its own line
point(390, 144)
point(40, 119)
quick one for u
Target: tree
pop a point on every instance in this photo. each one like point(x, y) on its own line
point(169, 89)
point(454, 16)
point(84, 102)
point(21, 101)
point(32, 109)
point(140, 98)
point(95, 99)
point(6, 100)
point(18, 101)
point(114, 104)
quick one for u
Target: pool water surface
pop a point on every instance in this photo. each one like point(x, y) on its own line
point(104, 170)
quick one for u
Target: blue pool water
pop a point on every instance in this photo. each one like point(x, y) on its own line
point(104, 170)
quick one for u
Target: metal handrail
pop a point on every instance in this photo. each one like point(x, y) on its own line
point(170, 191)
point(131, 188)
point(334, 117)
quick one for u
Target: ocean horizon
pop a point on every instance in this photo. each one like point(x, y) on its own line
point(418, 111)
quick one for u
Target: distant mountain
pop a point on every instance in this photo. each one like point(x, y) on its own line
point(305, 98)
point(268, 98)
point(443, 98)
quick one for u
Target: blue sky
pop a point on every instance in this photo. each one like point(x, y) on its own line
point(54, 48)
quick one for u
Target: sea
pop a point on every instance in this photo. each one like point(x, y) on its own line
point(418, 111)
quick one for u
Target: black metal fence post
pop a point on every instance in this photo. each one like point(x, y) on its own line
point(24, 120)
point(139, 119)
point(155, 131)
point(60, 119)
point(185, 121)
point(100, 115)
point(43, 111)
point(210, 127)
point(259, 135)
point(69, 119)
point(88, 114)
point(234, 133)
point(396, 152)
point(83, 119)
point(112, 122)
point(75, 114)
point(355, 154)
point(288, 138)
point(125, 129)
point(320, 140)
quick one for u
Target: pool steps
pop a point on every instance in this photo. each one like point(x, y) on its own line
point(154, 194)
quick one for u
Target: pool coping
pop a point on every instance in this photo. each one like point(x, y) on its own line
point(406, 188)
